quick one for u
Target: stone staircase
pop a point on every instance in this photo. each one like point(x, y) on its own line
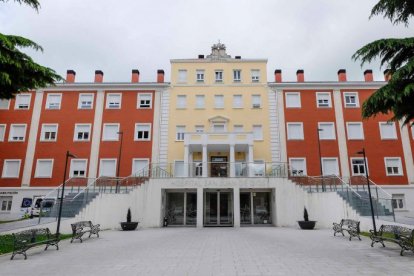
point(72, 204)
point(361, 203)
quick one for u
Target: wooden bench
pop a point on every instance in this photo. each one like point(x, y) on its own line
point(393, 233)
point(82, 227)
point(24, 240)
point(349, 225)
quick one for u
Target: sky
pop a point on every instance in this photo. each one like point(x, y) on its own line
point(318, 36)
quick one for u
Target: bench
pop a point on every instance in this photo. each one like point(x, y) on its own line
point(24, 240)
point(393, 233)
point(82, 227)
point(349, 225)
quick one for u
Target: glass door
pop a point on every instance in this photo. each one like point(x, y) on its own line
point(211, 204)
point(226, 208)
point(218, 208)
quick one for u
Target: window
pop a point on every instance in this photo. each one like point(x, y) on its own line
point(110, 132)
point(323, 99)
point(358, 166)
point(238, 128)
point(297, 166)
point(78, 167)
point(219, 127)
point(53, 101)
point(293, 100)
point(44, 168)
point(182, 75)
point(178, 168)
point(256, 101)
point(179, 133)
point(330, 166)
point(107, 167)
point(181, 101)
point(22, 101)
point(82, 132)
point(17, 132)
point(255, 75)
point(237, 75)
point(113, 101)
point(143, 132)
point(355, 131)
point(145, 100)
point(199, 129)
point(11, 168)
point(199, 101)
point(219, 76)
point(4, 104)
point(85, 101)
point(218, 101)
point(393, 166)
point(2, 132)
point(398, 201)
point(326, 131)
point(388, 131)
point(49, 132)
point(5, 203)
point(140, 167)
point(257, 132)
point(258, 168)
point(295, 131)
point(351, 99)
point(237, 101)
point(200, 75)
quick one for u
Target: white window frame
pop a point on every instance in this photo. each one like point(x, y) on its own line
point(396, 197)
point(255, 75)
point(80, 101)
point(3, 135)
point(71, 171)
point(179, 133)
point(218, 124)
point(182, 76)
point(18, 103)
point(200, 75)
point(199, 128)
point(43, 131)
point(136, 132)
point(400, 168)
point(134, 170)
point(235, 79)
point(9, 200)
point(48, 101)
point(351, 105)
point(289, 135)
point(183, 104)
point(139, 105)
point(103, 132)
point(5, 168)
point(330, 158)
point(333, 133)
point(203, 102)
point(11, 132)
point(352, 165)
point(108, 106)
point(216, 103)
point(75, 134)
point(218, 76)
point(38, 168)
point(8, 104)
point(297, 104)
point(318, 94)
point(235, 102)
point(238, 128)
point(361, 128)
point(101, 161)
point(256, 105)
point(260, 137)
point(175, 166)
point(298, 173)
point(394, 136)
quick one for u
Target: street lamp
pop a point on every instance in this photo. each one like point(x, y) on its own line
point(320, 157)
point(121, 134)
point(68, 154)
point(369, 189)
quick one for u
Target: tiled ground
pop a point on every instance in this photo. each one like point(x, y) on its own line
point(213, 251)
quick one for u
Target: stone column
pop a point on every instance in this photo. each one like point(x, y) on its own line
point(186, 161)
point(205, 164)
point(200, 204)
point(232, 161)
point(236, 206)
point(250, 161)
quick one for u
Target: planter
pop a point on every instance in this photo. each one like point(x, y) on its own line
point(307, 225)
point(129, 226)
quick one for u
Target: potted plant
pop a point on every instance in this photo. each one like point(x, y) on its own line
point(306, 223)
point(129, 225)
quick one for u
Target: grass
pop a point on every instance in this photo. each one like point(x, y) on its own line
point(385, 235)
point(7, 221)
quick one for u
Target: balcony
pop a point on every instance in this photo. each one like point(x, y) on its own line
point(218, 138)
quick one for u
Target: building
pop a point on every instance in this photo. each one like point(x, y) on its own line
point(219, 145)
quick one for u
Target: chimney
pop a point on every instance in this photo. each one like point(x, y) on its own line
point(368, 75)
point(135, 76)
point(278, 75)
point(201, 56)
point(70, 76)
point(300, 75)
point(341, 75)
point(98, 76)
point(160, 76)
point(387, 75)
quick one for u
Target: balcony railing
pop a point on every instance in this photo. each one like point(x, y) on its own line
point(197, 138)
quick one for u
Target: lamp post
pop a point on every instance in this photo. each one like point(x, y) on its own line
point(121, 134)
point(68, 154)
point(320, 157)
point(369, 190)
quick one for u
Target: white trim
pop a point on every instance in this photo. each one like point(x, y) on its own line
point(330, 158)
point(362, 131)
point(4, 168)
point(75, 136)
point(78, 159)
point(107, 159)
point(293, 93)
point(177, 102)
point(175, 161)
point(156, 128)
point(16, 101)
point(80, 102)
point(259, 106)
point(261, 132)
point(136, 131)
point(352, 166)
point(333, 130)
point(138, 159)
point(241, 101)
point(401, 173)
point(381, 131)
point(48, 101)
point(96, 134)
point(37, 165)
point(341, 134)
point(356, 94)
point(11, 132)
point(282, 125)
point(324, 93)
point(287, 131)
point(305, 170)
point(139, 100)
point(107, 102)
point(407, 151)
point(8, 104)
point(103, 131)
point(4, 132)
point(218, 96)
point(42, 132)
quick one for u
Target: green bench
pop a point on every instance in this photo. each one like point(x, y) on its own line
point(24, 240)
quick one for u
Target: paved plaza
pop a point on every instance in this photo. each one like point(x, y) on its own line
point(213, 251)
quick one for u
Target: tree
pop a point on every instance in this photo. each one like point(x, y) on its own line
point(397, 96)
point(18, 72)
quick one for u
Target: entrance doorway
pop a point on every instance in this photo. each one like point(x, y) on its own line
point(219, 166)
point(181, 208)
point(255, 207)
point(218, 208)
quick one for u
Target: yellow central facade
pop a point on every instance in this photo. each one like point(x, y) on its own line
point(219, 115)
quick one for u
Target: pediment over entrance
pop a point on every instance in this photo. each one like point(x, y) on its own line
point(219, 118)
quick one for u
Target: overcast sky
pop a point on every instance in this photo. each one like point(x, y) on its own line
point(318, 36)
